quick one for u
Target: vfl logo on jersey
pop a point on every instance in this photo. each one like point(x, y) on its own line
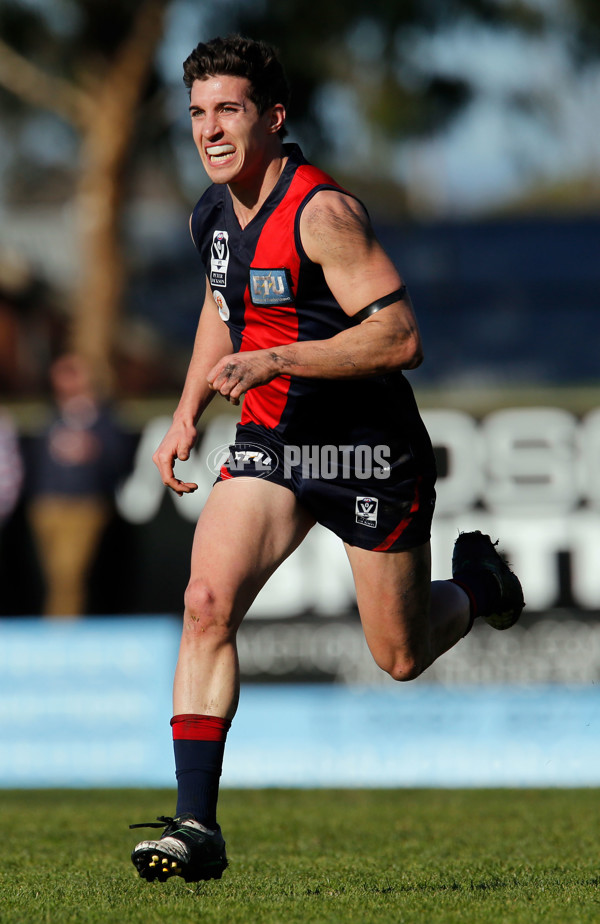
point(219, 258)
point(221, 305)
point(366, 511)
point(270, 286)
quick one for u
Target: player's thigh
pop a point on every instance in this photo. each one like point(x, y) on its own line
point(393, 591)
point(247, 528)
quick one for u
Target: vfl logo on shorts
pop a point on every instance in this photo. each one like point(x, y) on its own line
point(219, 258)
point(270, 287)
point(366, 511)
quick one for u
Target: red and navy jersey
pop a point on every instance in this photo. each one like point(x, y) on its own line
point(269, 293)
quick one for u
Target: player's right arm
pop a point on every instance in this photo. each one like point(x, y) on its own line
point(212, 342)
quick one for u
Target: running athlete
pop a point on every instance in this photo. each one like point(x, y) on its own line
point(309, 322)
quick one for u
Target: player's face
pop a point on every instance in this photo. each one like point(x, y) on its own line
point(233, 139)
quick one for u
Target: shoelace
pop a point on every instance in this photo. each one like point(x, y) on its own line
point(161, 821)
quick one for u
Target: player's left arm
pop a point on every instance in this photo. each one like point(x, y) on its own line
point(336, 233)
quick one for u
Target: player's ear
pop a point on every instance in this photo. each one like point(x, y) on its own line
point(276, 117)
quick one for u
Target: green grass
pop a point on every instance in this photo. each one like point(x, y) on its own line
point(303, 856)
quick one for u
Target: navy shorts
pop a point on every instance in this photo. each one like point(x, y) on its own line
point(375, 499)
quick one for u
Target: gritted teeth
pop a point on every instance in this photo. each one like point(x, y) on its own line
point(219, 149)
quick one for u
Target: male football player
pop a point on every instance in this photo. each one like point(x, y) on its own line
point(308, 321)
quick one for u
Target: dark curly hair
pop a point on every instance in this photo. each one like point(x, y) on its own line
point(241, 57)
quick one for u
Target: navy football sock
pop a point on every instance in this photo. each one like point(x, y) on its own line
point(199, 744)
point(482, 590)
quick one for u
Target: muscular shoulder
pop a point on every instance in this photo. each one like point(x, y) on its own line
point(334, 221)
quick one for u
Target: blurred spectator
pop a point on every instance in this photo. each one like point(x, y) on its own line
point(75, 467)
point(11, 467)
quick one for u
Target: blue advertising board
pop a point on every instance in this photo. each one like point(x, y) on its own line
point(87, 704)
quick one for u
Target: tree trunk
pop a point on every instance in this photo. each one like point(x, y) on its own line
point(110, 123)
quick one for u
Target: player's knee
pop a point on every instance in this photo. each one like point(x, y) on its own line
point(402, 666)
point(204, 612)
point(406, 670)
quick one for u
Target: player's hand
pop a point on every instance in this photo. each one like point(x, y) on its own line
point(236, 374)
point(177, 444)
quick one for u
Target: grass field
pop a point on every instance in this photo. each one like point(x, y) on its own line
point(311, 856)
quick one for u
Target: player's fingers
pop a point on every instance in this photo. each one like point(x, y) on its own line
point(236, 393)
point(224, 386)
point(165, 465)
point(184, 487)
point(217, 372)
point(220, 384)
point(180, 487)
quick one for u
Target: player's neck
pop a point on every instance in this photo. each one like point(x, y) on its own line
point(248, 197)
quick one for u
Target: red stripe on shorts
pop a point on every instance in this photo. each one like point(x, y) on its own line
point(399, 529)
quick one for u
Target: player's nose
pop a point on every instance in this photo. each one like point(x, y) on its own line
point(211, 127)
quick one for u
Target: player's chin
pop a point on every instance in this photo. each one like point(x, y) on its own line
point(225, 173)
point(219, 175)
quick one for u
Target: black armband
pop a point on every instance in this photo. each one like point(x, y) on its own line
point(365, 313)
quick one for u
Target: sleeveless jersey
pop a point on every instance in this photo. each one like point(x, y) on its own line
point(269, 293)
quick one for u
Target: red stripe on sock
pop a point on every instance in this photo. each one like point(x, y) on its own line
point(199, 727)
point(469, 594)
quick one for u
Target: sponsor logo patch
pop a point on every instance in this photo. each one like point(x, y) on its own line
point(366, 511)
point(221, 305)
point(219, 258)
point(270, 287)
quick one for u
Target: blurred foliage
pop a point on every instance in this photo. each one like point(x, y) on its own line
point(70, 34)
point(369, 47)
point(344, 41)
point(76, 42)
point(104, 70)
point(102, 143)
point(372, 50)
point(584, 18)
